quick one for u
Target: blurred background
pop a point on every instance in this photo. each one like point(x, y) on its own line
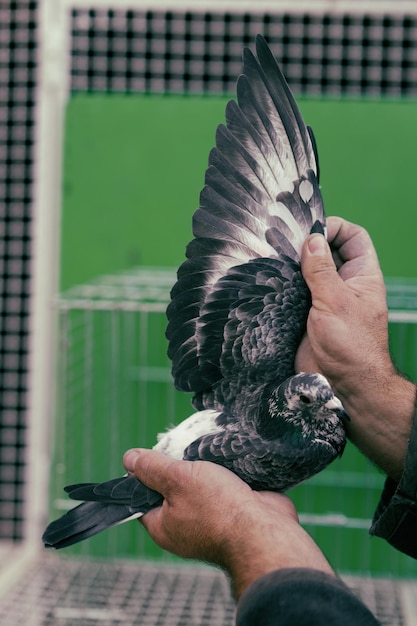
point(108, 111)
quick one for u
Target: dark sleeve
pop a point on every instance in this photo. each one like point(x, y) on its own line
point(301, 597)
point(395, 518)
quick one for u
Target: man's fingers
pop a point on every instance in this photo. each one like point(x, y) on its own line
point(352, 240)
point(151, 521)
point(352, 248)
point(152, 468)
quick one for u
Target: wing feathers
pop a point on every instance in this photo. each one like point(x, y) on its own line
point(283, 99)
point(260, 200)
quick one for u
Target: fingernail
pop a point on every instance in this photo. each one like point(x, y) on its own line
point(317, 245)
point(129, 459)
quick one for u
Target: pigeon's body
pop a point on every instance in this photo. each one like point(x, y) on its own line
point(238, 312)
point(274, 455)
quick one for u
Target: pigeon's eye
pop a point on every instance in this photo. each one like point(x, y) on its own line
point(305, 399)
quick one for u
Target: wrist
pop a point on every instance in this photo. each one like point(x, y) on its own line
point(381, 411)
point(270, 546)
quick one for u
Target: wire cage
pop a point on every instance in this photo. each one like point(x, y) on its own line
point(108, 593)
point(115, 391)
point(112, 368)
point(111, 362)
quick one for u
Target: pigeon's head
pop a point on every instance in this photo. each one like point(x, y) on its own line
point(305, 409)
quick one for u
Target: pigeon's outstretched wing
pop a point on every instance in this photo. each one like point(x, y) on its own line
point(239, 307)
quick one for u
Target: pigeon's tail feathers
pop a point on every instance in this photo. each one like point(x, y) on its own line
point(125, 490)
point(84, 521)
point(105, 504)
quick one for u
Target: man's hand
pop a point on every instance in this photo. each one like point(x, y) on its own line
point(347, 341)
point(347, 329)
point(210, 514)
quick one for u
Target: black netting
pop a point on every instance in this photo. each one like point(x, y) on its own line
point(196, 52)
point(17, 92)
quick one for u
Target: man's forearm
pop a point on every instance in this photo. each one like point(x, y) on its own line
point(270, 546)
point(381, 419)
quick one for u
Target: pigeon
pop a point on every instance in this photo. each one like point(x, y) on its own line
point(238, 312)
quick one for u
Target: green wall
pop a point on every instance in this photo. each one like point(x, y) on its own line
point(134, 166)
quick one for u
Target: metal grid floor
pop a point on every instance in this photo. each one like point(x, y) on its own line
point(66, 592)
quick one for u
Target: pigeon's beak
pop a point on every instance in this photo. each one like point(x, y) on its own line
point(335, 406)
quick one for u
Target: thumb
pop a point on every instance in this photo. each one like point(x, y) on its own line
point(319, 271)
point(152, 468)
